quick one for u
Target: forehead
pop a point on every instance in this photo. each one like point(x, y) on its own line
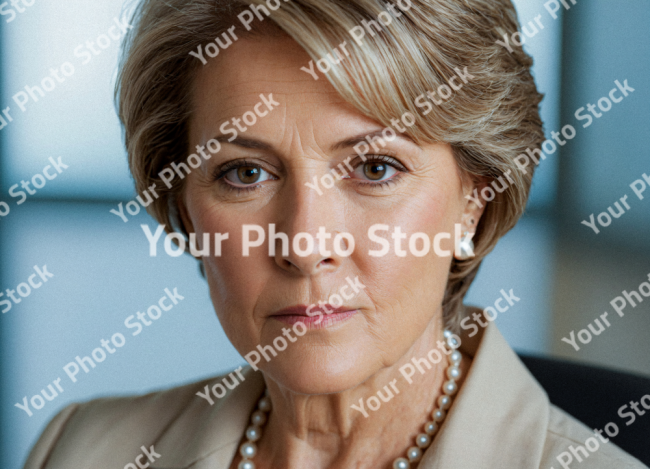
point(231, 83)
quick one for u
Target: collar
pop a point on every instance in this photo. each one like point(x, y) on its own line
point(206, 436)
point(499, 417)
point(499, 403)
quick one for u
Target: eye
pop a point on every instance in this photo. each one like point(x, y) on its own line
point(375, 170)
point(246, 175)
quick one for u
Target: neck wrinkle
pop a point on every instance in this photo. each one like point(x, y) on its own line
point(301, 427)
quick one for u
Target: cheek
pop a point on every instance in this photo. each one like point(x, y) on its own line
point(411, 281)
point(236, 282)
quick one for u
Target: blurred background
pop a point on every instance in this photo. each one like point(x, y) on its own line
point(565, 274)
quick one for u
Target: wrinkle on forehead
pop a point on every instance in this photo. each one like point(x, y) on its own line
point(311, 115)
point(257, 65)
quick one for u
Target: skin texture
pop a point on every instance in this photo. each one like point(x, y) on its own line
point(314, 381)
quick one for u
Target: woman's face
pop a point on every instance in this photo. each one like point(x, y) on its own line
point(260, 179)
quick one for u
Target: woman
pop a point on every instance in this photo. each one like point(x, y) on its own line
point(360, 157)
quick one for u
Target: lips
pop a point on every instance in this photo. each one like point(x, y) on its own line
point(318, 317)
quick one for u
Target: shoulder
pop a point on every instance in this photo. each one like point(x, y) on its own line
point(570, 442)
point(103, 430)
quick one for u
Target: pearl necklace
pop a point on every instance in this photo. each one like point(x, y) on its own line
point(248, 450)
point(449, 388)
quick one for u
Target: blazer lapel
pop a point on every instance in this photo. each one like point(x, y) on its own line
point(499, 417)
point(207, 436)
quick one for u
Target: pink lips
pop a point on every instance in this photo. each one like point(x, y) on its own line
point(318, 317)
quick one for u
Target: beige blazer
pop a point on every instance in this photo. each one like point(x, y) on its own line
point(501, 418)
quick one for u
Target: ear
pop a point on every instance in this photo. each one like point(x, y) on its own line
point(473, 204)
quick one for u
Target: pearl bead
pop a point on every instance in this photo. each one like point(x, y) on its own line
point(466, 248)
point(450, 388)
point(258, 418)
point(446, 334)
point(423, 440)
point(453, 372)
point(452, 343)
point(455, 358)
point(444, 402)
point(253, 433)
point(438, 415)
point(265, 404)
point(401, 463)
point(246, 465)
point(414, 454)
point(430, 428)
point(248, 450)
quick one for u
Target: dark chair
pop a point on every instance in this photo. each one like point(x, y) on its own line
point(594, 395)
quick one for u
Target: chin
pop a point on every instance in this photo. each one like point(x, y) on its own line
point(318, 370)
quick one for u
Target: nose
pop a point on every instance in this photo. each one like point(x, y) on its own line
point(306, 256)
point(311, 223)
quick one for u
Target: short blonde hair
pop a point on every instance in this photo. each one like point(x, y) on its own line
point(489, 122)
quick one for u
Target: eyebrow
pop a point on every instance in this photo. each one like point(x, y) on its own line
point(352, 141)
point(255, 144)
point(245, 142)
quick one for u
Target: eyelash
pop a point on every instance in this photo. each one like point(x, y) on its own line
point(389, 160)
point(221, 172)
point(224, 169)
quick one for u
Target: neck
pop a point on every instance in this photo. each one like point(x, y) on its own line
point(342, 430)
